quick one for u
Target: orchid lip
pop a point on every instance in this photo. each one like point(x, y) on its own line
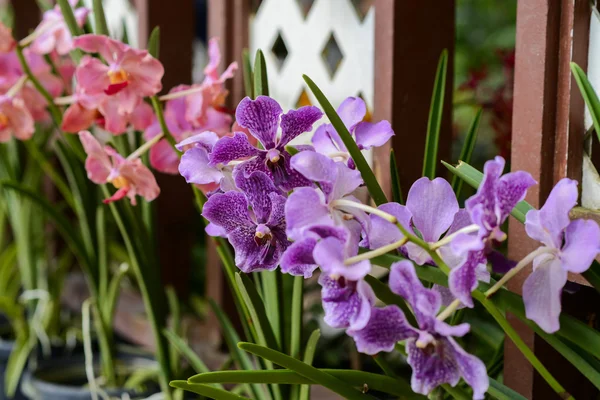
point(3, 121)
point(274, 155)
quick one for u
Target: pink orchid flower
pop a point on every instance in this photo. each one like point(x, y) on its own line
point(15, 119)
point(129, 176)
point(7, 42)
point(100, 109)
point(52, 34)
point(205, 108)
point(129, 76)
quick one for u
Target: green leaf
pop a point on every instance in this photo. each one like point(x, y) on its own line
point(593, 275)
point(430, 159)
point(16, 363)
point(361, 164)
point(112, 295)
point(297, 310)
point(69, 17)
point(319, 377)
point(396, 187)
point(501, 392)
point(175, 312)
point(473, 178)
point(354, 378)
point(589, 95)
point(241, 358)
point(99, 18)
point(154, 42)
point(467, 150)
point(248, 74)
point(257, 311)
point(261, 81)
point(186, 352)
point(271, 302)
point(309, 355)
point(205, 390)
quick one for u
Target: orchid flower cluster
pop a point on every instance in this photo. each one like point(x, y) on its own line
point(299, 210)
point(298, 207)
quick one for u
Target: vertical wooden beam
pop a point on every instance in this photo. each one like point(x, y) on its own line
point(409, 38)
point(176, 213)
point(547, 141)
point(27, 16)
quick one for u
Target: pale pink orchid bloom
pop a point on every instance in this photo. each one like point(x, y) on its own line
point(101, 109)
point(129, 76)
point(52, 34)
point(15, 119)
point(129, 176)
point(7, 42)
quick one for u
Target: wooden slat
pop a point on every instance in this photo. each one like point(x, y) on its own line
point(409, 38)
point(547, 141)
point(27, 16)
point(176, 213)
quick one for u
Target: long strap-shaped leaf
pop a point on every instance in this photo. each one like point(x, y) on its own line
point(309, 355)
point(354, 378)
point(319, 377)
point(261, 80)
point(501, 392)
point(589, 95)
point(394, 173)
point(430, 160)
point(206, 390)
point(361, 164)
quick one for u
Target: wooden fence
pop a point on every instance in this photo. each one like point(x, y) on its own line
point(408, 37)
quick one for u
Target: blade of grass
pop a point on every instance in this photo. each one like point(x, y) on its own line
point(361, 164)
point(435, 118)
point(334, 384)
point(309, 355)
point(248, 74)
point(271, 302)
point(99, 18)
point(396, 187)
point(297, 311)
point(467, 150)
point(206, 390)
point(261, 80)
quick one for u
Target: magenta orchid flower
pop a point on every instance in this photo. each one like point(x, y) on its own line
point(262, 117)
point(129, 176)
point(7, 42)
point(253, 221)
point(352, 111)
point(53, 35)
point(129, 76)
point(568, 246)
point(434, 355)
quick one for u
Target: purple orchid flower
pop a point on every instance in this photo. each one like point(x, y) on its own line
point(253, 220)
point(433, 354)
point(195, 162)
point(298, 259)
point(347, 304)
point(496, 197)
point(352, 111)
point(308, 206)
point(262, 117)
point(568, 246)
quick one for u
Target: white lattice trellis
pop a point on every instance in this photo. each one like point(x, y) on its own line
point(120, 15)
point(306, 38)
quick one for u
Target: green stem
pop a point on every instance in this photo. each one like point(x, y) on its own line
point(163, 124)
point(156, 321)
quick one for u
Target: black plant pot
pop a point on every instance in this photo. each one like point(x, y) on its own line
point(65, 378)
point(6, 347)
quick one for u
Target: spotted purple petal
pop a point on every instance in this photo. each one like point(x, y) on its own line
point(296, 122)
point(463, 279)
point(330, 254)
point(347, 304)
point(385, 327)
point(228, 210)
point(511, 189)
point(299, 216)
point(384, 232)
point(257, 187)
point(194, 167)
point(261, 118)
point(232, 148)
point(298, 259)
point(472, 370)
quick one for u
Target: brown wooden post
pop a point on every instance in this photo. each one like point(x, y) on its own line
point(176, 213)
point(548, 130)
point(409, 38)
point(27, 16)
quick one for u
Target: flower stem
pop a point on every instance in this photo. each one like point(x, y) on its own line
point(181, 93)
point(16, 87)
point(364, 207)
point(163, 124)
point(27, 40)
point(56, 115)
point(522, 264)
point(377, 252)
point(447, 239)
point(145, 147)
point(65, 100)
point(448, 310)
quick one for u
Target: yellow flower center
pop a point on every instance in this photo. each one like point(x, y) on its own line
point(117, 77)
point(120, 182)
point(3, 120)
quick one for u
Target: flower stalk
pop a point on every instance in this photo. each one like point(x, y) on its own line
point(447, 239)
point(377, 252)
point(364, 207)
point(145, 147)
